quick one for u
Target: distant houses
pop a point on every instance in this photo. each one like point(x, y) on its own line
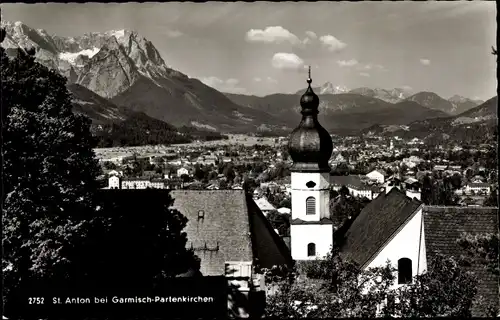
point(264, 205)
point(116, 182)
point(355, 186)
point(377, 175)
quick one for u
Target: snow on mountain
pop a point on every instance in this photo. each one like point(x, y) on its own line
point(118, 34)
point(327, 88)
point(389, 95)
point(123, 56)
point(124, 68)
point(71, 56)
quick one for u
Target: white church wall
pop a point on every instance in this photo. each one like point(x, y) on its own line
point(301, 235)
point(300, 193)
point(405, 244)
point(300, 179)
point(422, 265)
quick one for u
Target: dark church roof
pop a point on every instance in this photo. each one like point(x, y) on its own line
point(232, 221)
point(443, 226)
point(310, 145)
point(223, 225)
point(376, 224)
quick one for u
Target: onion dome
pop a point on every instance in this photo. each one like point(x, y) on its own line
point(310, 145)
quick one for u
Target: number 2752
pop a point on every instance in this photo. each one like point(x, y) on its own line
point(35, 300)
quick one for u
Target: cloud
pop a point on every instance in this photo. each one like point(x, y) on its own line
point(371, 66)
point(229, 85)
point(311, 35)
point(287, 61)
point(174, 33)
point(333, 44)
point(347, 63)
point(257, 79)
point(425, 62)
point(364, 74)
point(275, 34)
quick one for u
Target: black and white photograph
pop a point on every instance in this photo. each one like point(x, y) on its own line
point(169, 160)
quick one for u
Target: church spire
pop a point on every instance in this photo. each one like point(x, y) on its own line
point(310, 145)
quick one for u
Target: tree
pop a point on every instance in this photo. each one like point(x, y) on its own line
point(222, 184)
point(445, 290)
point(110, 165)
point(492, 199)
point(285, 203)
point(55, 231)
point(49, 171)
point(344, 191)
point(280, 222)
point(335, 287)
point(199, 173)
point(105, 256)
point(229, 172)
point(456, 181)
point(483, 248)
point(185, 178)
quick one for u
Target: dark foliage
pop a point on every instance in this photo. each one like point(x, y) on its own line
point(56, 233)
point(139, 129)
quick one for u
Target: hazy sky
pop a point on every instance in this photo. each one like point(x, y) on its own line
point(261, 48)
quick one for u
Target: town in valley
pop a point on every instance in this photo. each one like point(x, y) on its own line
point(261, 159)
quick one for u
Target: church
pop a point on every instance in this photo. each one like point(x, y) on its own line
point(394, 226)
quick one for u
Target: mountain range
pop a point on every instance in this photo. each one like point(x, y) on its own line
point(343, 113)
point(454, 105)
point(115, 75)
point(126, 69)
point(478, 124)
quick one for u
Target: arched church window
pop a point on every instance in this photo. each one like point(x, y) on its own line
point(311, 249)
point(404, 271)
point(311, 205)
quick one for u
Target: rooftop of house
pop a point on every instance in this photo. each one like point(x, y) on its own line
point(350, 180)
point(376, 224)
point(381, 171)
point(478, 185)
point(223, 225)
point(443, 226)
point(264, 204)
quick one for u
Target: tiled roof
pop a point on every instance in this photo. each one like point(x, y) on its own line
point(376, 224)
point(232, 228)
point(444, 225)
point(352, 181)
point(478, 185)
point(230, 218)
point(410, 180)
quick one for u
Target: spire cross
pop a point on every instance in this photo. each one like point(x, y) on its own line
point(309, 78)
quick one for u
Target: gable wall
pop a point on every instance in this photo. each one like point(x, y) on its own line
point(405, 244)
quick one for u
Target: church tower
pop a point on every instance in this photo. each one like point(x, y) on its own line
point(310, 147)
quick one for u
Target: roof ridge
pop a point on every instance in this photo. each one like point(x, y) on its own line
point(459, 207)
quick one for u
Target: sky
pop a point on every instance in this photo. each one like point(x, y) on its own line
point(262, 48)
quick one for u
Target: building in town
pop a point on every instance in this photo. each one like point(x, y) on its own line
point(310, 147)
